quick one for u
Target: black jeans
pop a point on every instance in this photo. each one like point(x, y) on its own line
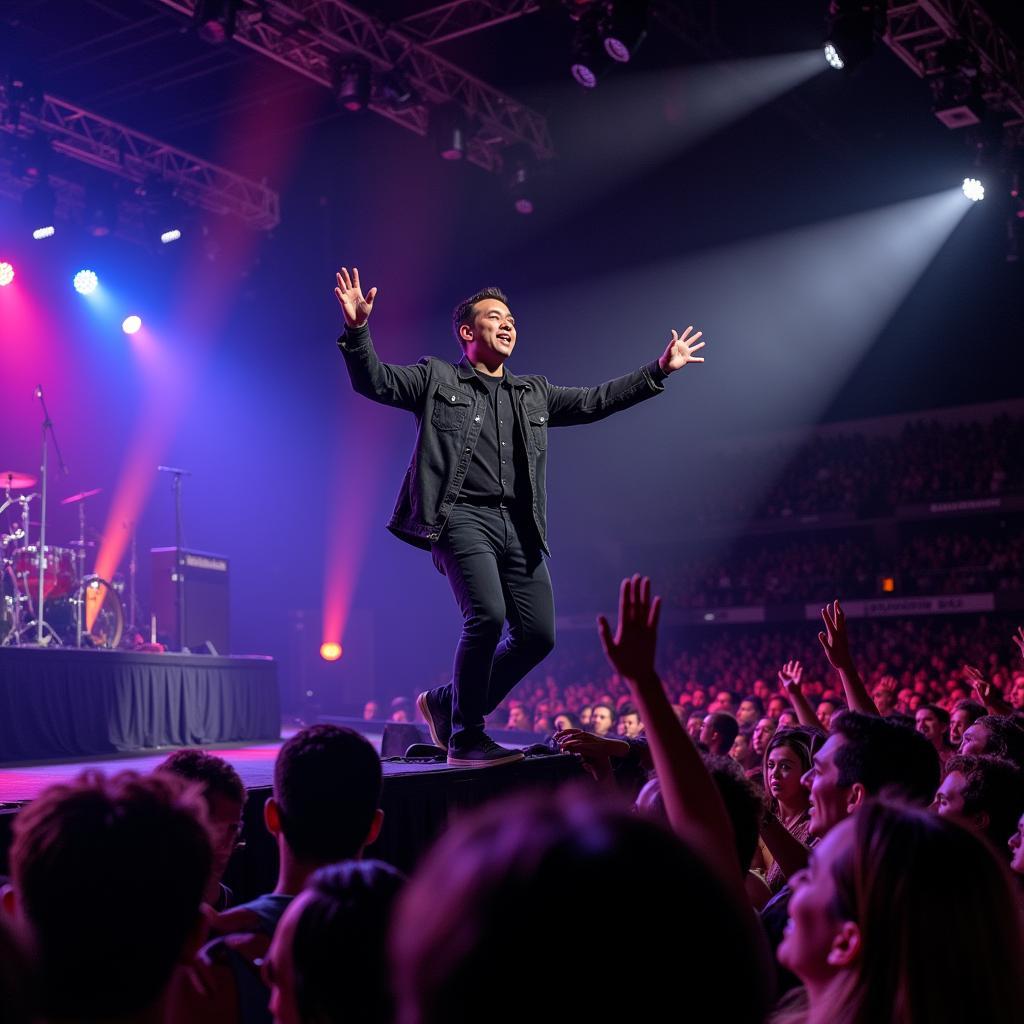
point(497, 572)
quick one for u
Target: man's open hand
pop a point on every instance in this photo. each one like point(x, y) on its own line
point(681, 350)
point(349, 293)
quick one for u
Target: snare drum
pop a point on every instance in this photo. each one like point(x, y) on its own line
point(58, 570)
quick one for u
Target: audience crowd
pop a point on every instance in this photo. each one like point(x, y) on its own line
point(783, 812)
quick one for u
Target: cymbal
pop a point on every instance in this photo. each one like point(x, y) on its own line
point(81, 497)
point(16, 481)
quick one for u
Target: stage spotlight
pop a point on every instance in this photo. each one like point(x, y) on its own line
point(850, 33)
point(37, 206)
point(519, 168)
point(215, 20)
point(394, 91)
point(449, 129)
point(86, 282)
point(624, 29)
point(590, 58)
point(170, 236)
point(330, 651)
point(131, 324)
point(973, 189)
point(351, 82)
point(6, 274)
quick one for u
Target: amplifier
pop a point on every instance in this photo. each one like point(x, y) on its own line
point(206, 598)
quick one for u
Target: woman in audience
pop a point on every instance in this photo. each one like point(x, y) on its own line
point(864, 937)
point(328, 960)
point(786, 760)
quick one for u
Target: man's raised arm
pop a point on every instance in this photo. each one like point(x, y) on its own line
point(387, 383)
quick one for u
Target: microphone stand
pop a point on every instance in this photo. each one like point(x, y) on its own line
point(41, 559)
point(178, 541)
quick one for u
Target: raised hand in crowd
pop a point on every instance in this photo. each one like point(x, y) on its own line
point(986, 691)
point(835, 641)
point(789, 676)
point(595, 752)
point(1018, 639)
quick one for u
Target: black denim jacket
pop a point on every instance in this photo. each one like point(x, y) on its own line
point(449, 403)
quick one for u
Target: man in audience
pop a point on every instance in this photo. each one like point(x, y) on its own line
point(763, 732)
point(602, 720)
point(983, 793)
point(518, 718)
point(324, 809)
point(719, 732)
point(694, 725)
point(108, 876)
point(749, 711)
point(224, 794)
point(630, 720)
point(776, 705)
point(965, 713)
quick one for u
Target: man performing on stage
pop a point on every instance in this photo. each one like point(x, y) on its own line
point(474, 493)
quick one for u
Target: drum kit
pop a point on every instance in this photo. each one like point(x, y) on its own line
point(46, 596)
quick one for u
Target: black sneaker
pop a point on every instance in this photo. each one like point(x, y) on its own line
point(484, 753)
point(439, 721)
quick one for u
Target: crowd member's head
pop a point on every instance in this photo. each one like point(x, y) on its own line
point(750, 710)
point(542, 724)
point(224, 794)
point(863, 756)
point(519, 718)
point(718, 732)
point(789, 719)
point(401, 710)
point(108, 876)
point(629, 718)
point(983, 793)
point(468, 920)
point(993, 734)
point(740, 751)
point(762, 733)
point(566, 720)
point(694, 725)
point(931, 722)
point(723, 701)
point(602, 720)
point(371, 710)
point(885, 700)
point(964, 713)
point(776, 705)
point(699, 698)
point(1016, 847)
point(325, 807)
point(328, 960)
point(787, 758)
point(825, 710)
point(870, 889)
point(1016, 696)
point(743, 803)
point(586, 713)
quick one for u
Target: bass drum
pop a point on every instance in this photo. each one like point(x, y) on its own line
point(102, 609)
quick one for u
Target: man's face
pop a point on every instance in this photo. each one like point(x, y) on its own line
point(747, 713)
point(949, 798)
point(371, 710)
point(699, 699)
point(491, 337)
point(601, 721)
point(740, 748)
point(826, 709)
point(762, 734)
point(975, 739)
point(1017, 848)
point(694, 725)
point(585, 715)
point(775, 707)
point(517, 719)
point(829, 801)
point(707, 733)
point(225, 819)
point(1017, 692)
point(928, 725)
point(958, 722)
point(632, 726)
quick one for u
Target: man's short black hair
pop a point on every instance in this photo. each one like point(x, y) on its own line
point(752, 698)
point(465, 311)
point(216, 776)
point(629, 709)
point(881, 755)
point(327, 783)
point(726, 726)
point(995, 787)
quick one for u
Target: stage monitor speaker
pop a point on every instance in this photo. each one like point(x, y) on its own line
point(206, 594)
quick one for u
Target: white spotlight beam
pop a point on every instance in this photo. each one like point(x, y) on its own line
point(100, 142)
point(308, 35)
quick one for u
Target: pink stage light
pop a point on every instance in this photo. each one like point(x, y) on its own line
point(132, 325)
point(6, 274)
point(330, 651)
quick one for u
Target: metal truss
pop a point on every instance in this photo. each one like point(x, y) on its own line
point(91, 139)
point(308, 36)
point(917, 31)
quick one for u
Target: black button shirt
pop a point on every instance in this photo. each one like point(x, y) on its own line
point(491, 477)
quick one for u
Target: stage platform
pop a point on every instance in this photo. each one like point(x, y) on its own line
point(67, 703)
point(418, 800)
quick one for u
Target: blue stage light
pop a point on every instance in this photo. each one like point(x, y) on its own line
point(86, 282)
